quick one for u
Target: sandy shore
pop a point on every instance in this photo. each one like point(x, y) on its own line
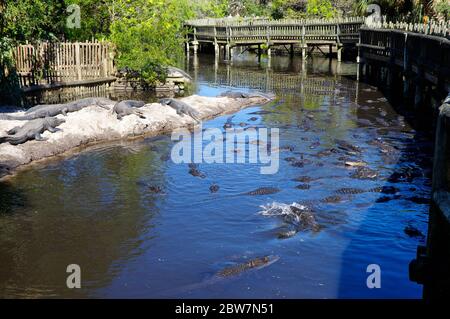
point(93, 125)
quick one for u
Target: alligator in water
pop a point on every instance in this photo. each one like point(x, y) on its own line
point(50, 110)
point(214, 188)
point(229, 273)
point(364, 173)
point(347, 147)
point(255, 263)
point(263, 191)
point(379, 189)
point(194, 171)
point(296, 217)
point(128, 107)
point(31, 130)
point(303, 186)
point(181, 108)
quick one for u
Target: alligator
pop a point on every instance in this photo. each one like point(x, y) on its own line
point(227, 273)
point(303, 179)
point(364, 173)
point(50, 110)
point(128, 107)
point(350, 191)
point(255, 263)
point(326, 152)
point(303, 186)
point(297, 217)
point(412, 231)
point(234, 95)
point(214, 188)
point(242, 95)
point(229, 122)
point(155, 189)
point(32, 130)
point(194, 171)
point(343, 145)
point(378, 189)
point(181, 108)
point(172, 69)
point(263, 191)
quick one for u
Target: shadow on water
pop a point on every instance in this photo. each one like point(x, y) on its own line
point(410, 173)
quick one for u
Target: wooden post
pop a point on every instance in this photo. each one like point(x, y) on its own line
point(78, 60)
point(227, 52)
point(339, 52)
point(304, 45)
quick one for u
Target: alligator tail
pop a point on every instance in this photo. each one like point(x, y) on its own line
point(3, 139)
point(6, 117)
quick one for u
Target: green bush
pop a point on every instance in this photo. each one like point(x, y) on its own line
point(149, 34)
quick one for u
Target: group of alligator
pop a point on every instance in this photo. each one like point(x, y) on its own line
point(43, 118)
point(301, 216)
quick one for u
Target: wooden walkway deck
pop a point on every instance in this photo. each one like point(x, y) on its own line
point(228, 33)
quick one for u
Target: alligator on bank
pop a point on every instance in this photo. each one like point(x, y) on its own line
point(242, 95)
point(181, 108)
point(50, 110)
point(31, 130)
point(128, 107)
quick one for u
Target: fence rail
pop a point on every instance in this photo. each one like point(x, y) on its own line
point(49, 63)
point(262, 30)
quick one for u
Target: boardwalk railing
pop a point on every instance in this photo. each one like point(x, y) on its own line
point(262, 30)
point(51, 63)
point(437, 28)
point(428, 56)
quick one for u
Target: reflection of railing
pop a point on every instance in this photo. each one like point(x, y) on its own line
point(280, 83)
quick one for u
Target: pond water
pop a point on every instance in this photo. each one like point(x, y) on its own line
point(102, 208)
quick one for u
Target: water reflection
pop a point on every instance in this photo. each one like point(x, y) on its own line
point(141, 226)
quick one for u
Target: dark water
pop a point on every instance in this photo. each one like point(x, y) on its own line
point(98, 210)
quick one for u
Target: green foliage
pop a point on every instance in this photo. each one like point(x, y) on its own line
point(148, 34)
point(320, 8)
point(32, 19)
point(442, 8)
point(95, 20)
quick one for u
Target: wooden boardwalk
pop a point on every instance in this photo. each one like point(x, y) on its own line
point(229, 33)
point(417, 55)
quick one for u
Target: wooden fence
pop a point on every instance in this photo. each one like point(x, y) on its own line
point(63, 62)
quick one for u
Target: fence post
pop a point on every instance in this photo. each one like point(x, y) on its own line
point(78, 60)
